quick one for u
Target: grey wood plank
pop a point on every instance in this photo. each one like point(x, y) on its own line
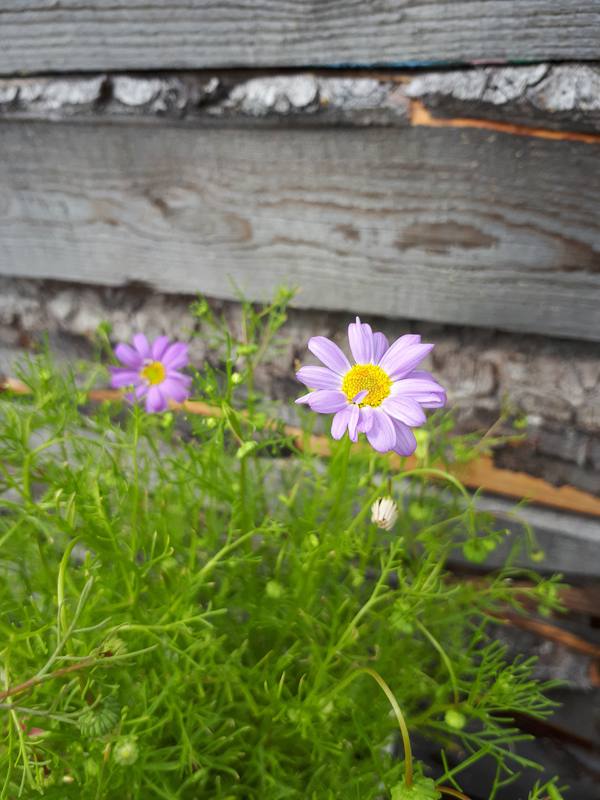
point(43, 35)
point(570, 543)
point(453, 225)
point(559, 96)
point(562, 97)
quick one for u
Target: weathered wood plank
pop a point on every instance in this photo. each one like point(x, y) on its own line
point(43, 35)
point(570, 544)
point(565, 96)
point(544, 97)
point(461, 226)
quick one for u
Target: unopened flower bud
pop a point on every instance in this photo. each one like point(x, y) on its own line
point(384, 513)
point(125, 751)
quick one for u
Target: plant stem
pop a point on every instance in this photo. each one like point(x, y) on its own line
point(443, 656)
point(453, 792)
point(408, 765)
point(37, 679)
point(343, 456)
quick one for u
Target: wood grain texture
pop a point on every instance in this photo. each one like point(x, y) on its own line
point(43, 35)
point(462, 226)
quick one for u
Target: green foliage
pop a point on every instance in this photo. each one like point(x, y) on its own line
point(185, 608)
point(421, 789)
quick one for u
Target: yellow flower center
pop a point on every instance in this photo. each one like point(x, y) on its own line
point(367, 377)
point(153, 373)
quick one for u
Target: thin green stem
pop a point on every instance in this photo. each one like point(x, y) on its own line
point(443, 656)
point(340, 461)
point(436, 473)
point(136, 485)
point(452, 792)
point(374, 598)
point(224, 551)
point(408, 763)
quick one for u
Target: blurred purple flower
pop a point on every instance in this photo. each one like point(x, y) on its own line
point(381, 395)
point(152, 370)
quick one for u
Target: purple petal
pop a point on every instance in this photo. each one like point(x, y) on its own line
point(401, 359)
point(176, 356)
point(429, 394)
point(141, 345)
point(406, 444)
point(353, 422)
point(340, 421)
point(400, 344)
point(179, 376)
point(405, 409)
point(139, 392)
point(382, 436)
point(325, 401)
point(423, 390)
point(421, 373)
point(319, 378)
point(380, 345)
point(435, 401)
point(366, 419)
point(304, 400)
point(329, 353)
point(360, 337)
point(175, 389)
point(159, 346)
point(155, 400)
point(360, 396)
point(121, 376)
point(128, 356)
point(414, 387)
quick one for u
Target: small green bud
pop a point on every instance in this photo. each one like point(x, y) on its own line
point(210, 422)
point(236, 378)
point(454, 719)
point(313, 540)
point(166, 420)
point(474, 550)
point(113, 646)
point(245, 449)
point(92, 768)
point(100, 719)
point(537, 555)
point(125, 751)
point(274, 590)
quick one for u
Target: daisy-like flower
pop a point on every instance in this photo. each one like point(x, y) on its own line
point(384, 513)
point(152, 370)
point(381, 395)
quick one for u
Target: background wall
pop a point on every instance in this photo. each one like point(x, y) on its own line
point(432, 165)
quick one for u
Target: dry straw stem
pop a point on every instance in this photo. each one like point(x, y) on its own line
point(481, 473)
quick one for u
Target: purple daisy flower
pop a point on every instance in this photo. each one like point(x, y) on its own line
point(381, 395)
point(153, 371)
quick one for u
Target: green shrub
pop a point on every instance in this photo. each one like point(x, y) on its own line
point(194, 607)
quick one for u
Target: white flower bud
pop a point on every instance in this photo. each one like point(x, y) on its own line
point(384, 513)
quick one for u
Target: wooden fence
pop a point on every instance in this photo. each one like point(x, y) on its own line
point(430, 161)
